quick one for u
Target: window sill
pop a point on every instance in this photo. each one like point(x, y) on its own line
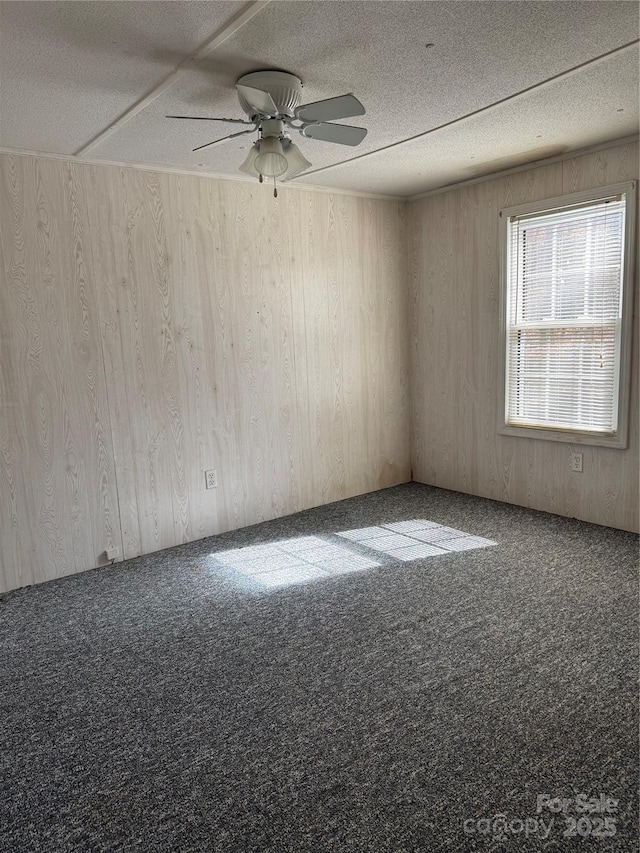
point(616, 441)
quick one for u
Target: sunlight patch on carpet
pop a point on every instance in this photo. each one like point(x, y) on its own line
point(415, 539)
point(290, 561)
point(310, 558)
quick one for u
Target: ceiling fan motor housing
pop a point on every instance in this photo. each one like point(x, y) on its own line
point(284, 88)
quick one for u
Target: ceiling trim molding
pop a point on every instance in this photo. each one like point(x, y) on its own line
point(205, 49)
point(536, 87)
point(525, 167)
point(197, 173)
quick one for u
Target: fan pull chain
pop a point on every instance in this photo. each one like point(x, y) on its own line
point(275, 191)
point(261, 179)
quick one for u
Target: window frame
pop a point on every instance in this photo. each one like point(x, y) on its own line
point(619, 439)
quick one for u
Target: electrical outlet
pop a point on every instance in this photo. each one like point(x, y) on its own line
point(210, 479)
point(575, 462)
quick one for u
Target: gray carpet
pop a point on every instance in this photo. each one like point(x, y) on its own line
point(173, 703)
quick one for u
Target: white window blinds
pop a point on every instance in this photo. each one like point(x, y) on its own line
point(563, 323)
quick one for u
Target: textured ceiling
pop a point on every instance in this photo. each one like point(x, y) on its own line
point(69, 70)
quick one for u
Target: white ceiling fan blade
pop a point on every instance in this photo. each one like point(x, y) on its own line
point(345, 106)
point(342, 134)
point(222, 139)
point(261, 101)
point(209, 118)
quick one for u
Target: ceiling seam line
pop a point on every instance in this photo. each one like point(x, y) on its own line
point(514, 96)
point(221, 35)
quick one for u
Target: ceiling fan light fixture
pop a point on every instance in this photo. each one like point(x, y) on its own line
point(296, 160)
point(249, 167)
point(271, 161)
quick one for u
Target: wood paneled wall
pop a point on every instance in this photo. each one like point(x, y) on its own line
point(153, 326)
point(454, 310)
point(58, 504)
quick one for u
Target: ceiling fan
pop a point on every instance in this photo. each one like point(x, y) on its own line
point(271, 100)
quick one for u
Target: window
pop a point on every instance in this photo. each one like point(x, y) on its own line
point(566, 317)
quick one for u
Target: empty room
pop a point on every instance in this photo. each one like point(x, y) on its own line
point(319, 426)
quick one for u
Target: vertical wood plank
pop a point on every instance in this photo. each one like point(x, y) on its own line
point(58, 502)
